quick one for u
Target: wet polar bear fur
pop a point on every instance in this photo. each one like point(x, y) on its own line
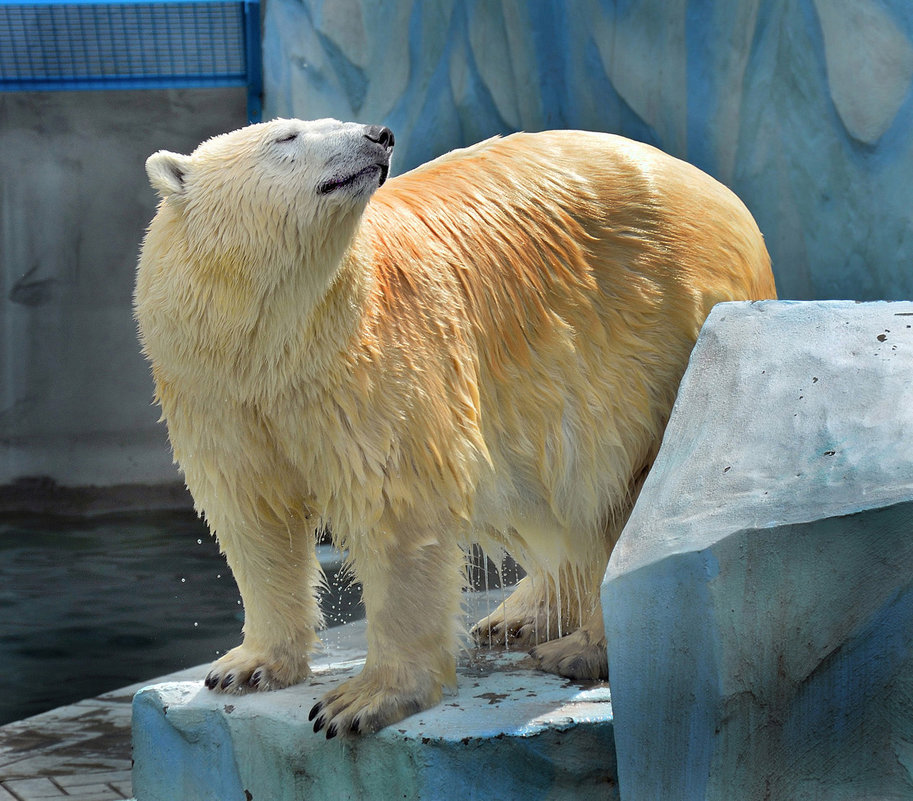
point(485, 349)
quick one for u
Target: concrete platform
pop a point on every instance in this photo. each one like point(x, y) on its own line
point(509, 732)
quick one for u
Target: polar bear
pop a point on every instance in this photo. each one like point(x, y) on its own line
point(483, 350)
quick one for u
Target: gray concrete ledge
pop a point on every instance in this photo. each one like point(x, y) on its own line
point(42, 495)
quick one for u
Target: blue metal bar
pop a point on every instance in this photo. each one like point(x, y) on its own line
point(254, 60)
point(170, 82)
point(6, 3)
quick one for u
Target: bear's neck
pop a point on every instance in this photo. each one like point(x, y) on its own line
point(302, 326)
point(257, 342)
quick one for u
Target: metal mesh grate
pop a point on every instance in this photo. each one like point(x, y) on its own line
point(137, 45)
point(99, 45)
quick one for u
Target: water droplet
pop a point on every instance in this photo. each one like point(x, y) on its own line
point(195, 624)
point(199, 542)
point(183, 581)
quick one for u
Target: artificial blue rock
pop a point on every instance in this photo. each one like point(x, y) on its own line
point(759, 604)
point(509, 732)
point(802, 107)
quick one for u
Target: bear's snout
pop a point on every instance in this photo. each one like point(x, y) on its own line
point(383, 136)
point(380, 134)
point(362, 161)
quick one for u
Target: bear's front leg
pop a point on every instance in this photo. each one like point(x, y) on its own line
point(277, 573)
point(412, 601)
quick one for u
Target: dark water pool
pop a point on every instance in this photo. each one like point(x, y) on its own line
point(88, 606)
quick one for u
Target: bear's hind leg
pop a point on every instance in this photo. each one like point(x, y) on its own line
point(542, 607)
point(559, 619)
point(277, 573)
point(582, 654)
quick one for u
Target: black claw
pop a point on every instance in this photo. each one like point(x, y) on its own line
point(315, 710)
point(331, 732)
point(212, 680)
point(318, 724)
point(228, 681)
point(254, 680)
point(355, 727)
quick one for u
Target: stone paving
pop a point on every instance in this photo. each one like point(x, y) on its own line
point(76, 752)
point(80, 752)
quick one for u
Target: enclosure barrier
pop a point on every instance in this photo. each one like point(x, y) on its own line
point(61, 45)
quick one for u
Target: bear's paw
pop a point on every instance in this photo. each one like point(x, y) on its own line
point(575, 656)
point(366, 703)
point(244, 670)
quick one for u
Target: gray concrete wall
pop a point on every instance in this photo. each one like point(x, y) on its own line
point(75, 393)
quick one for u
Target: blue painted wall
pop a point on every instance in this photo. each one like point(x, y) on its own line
point(803, 107)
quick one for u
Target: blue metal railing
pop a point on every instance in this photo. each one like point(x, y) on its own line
point(131, 44)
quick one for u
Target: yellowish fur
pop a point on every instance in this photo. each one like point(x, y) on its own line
point(486, 351)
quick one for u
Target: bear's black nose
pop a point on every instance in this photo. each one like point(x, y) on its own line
point(380, 134)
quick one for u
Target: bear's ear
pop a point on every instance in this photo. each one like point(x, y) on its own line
point(167, 172)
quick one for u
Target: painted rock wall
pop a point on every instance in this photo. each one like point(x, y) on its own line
point(803, 107)
point(759, 604)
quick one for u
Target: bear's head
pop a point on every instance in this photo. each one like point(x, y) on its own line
point(273, 193)
point(250, 234)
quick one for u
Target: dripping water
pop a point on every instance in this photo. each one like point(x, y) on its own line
point(558, 602)
point(548, 605)
point(491, 577)
point(504, 605)
point(580, 615)
point(485, 561)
